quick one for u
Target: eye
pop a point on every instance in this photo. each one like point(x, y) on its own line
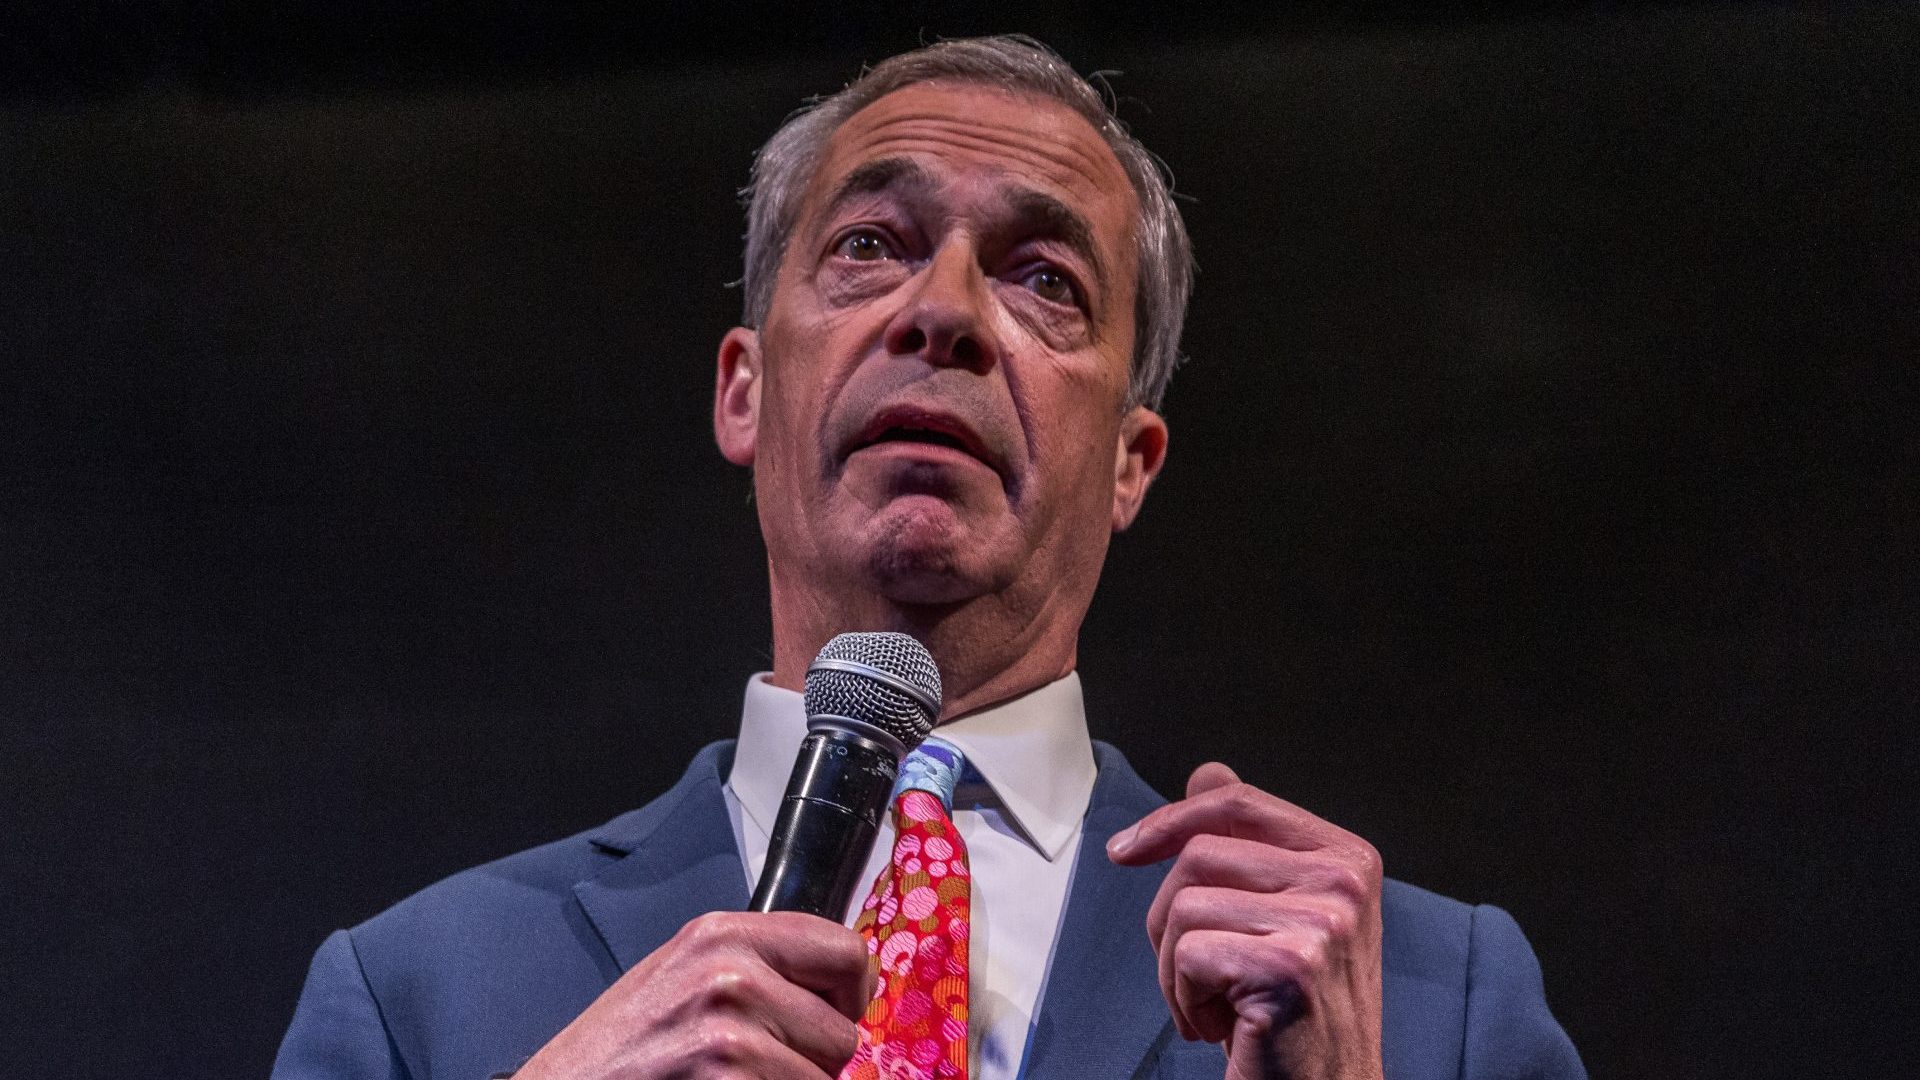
point(1051, 285)
point(864, 245)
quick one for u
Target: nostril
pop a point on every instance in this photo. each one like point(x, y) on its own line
point(966, 352)
point(912, 341)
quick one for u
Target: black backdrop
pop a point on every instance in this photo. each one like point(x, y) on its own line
point(1540, 503)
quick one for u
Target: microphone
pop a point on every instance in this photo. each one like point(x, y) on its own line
point(871, 698)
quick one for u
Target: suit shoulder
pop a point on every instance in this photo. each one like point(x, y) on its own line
point(1462, 978)
point(1424, 933)
point(475, 972)
point(491, 891)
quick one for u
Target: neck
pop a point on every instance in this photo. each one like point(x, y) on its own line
point(988, 649)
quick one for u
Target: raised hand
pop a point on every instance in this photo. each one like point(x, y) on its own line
point(1267, 929)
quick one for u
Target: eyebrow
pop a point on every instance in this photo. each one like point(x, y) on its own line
point(1038, 213)
point(877, 176)
point(1031, 212)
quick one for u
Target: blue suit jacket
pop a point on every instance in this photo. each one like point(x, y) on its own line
point(468, 978)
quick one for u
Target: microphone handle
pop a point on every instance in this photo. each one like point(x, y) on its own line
point(827, 823)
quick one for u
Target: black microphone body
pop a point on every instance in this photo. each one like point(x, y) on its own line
point(871, 698)
point(827, 823)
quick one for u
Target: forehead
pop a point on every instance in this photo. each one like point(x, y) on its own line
point(963, 131)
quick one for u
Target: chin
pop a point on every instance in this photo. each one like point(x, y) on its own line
point(923, 559)
point(921, 584)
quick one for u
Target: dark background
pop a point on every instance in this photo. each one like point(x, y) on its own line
point(1541, 499)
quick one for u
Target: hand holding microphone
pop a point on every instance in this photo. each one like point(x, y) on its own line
point(774, 991)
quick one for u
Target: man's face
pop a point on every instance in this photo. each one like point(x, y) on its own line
point(934, 404)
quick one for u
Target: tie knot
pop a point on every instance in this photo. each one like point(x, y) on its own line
point(934, 767)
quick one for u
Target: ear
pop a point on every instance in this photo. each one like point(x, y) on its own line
point(736, 395)
point(1138, 454)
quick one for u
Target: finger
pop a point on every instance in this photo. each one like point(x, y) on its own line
point(803, 1020)
point(1252, 915)
point(1297, 937)
point(1222, 976)
point(1251, 866)
point(810, 951)
point(1323, 922)
point(1209, 776)
point(1183, 920)
point(1197, 983)
point(785, 1063)
point(1240, 810)
point(723, 1049)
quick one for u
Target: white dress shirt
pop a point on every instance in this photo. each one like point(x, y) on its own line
point(1022, 828)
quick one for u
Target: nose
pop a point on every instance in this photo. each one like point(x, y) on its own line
point(945, 321)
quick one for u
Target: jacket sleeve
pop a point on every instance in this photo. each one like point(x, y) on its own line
point(337, 1031)
point(1511, 1034)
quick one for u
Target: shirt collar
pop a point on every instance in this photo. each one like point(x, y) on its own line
point(1033, 751)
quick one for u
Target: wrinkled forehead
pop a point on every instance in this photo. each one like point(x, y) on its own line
point(985, 136)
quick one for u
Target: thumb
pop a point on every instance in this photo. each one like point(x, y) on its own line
point(1209, 776)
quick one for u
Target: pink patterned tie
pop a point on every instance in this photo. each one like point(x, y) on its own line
point(915, 923)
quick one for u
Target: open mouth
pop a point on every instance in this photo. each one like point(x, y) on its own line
point(920, 435)
point(908, 424)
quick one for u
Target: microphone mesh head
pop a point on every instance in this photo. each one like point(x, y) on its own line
point(870, 698)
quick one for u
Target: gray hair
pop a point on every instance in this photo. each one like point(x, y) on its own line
point(785, 165)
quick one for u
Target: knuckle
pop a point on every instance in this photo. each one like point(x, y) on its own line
point(1305, 955)
point(725, 988)
point(1209, 848)
point(1349, 879)
point(1368, 858)
point(1186, 951)
point(1341, 922)
point(1245, 798)
point(1184, 906)
point(708, 929)
point(1318, 920)
point(721, 1046)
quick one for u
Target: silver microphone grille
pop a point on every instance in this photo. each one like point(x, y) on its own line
point(887, 680)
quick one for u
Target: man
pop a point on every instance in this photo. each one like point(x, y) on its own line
point(964, 287)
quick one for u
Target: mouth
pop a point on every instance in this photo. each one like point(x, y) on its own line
point(915, 426)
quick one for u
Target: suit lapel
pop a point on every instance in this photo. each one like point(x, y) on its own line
point(1102, 1012)
point(680, 862)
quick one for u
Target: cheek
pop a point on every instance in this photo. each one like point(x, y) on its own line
point(787, 425)
point(1078, 450)
point(778, 407)
point(1054, 327)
